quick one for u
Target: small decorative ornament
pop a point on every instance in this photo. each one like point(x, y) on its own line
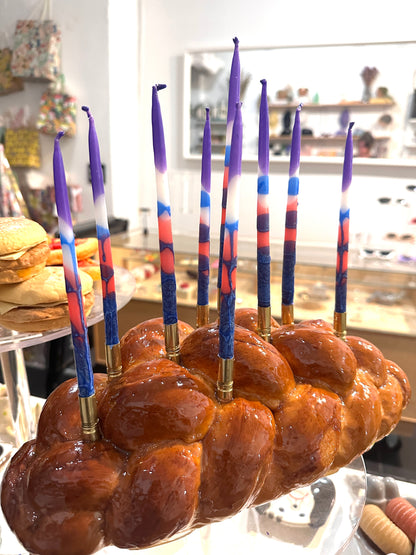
point(368, 75)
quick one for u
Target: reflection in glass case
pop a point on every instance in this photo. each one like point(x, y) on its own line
point(336, 89)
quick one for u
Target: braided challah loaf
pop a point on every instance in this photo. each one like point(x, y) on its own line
point(172, 458)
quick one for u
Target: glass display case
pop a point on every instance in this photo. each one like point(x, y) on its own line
point(381, 302)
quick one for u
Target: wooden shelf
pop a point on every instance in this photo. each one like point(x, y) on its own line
point(338, 106)
point(336, 139)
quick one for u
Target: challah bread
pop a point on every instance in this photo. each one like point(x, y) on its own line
point(173, 458)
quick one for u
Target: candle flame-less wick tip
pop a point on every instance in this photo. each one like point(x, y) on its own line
point(86, 109)
point(236, 41)
point(263, 81)
point(59, 135)
point(160, 87)
point(351, 125)
point(207, 113)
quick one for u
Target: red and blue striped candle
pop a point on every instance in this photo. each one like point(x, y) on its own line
point(79, 329)
point(263, 239)
point(233, 99)
point(229, 266)
point(167, 257)
point(204, 218)
point(103, 236)
point(343, 229)
point(289, 248)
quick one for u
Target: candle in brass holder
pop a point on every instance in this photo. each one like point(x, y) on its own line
point(89, 418)
point(340, 324)
point(264, 315)
point(202, 315)
point(225, 380)
point(113, 360)
point(172, 342)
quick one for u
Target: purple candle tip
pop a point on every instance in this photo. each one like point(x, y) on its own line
point(207, 114)
point(86, 109)
point(263, 82)
point(236, 41)
point(351, 125)
point(299, 108)
point(160, 87)
point(59, 135)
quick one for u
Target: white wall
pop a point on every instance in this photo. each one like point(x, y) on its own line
point(84, 27)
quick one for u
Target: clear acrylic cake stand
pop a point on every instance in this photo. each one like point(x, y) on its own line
point(13, 365)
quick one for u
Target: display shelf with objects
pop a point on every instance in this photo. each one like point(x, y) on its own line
point(379, 106)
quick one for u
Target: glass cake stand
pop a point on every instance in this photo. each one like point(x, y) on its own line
point(12, 362)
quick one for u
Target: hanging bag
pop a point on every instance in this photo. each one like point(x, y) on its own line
point(37, 47)
point(57, 110)
point(8, 82)
point(21, 142)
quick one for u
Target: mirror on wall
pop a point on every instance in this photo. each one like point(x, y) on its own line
point(370, 84)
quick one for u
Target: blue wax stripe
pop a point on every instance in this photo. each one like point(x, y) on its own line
point(263, 284)
point(227, 155)
point(231, 227)
point(344, 214)
point(162, 208)
point(203, 233)
point(291, 219)
point(341, 296)
point(203, 289)
point(170, 314)
point(205, 199)
point(263, 255)
point(263, 222)
point(293, 187)
point(227, 325)
point(102, 233)
point(263, 185)
point(110, 318)
point(288, 275)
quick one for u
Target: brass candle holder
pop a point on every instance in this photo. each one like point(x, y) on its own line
point(340, 324)
point(202, 315)
point(225, 380)
point(287, 314)
point(172, 342)
point(264, 322)
point(89, 418)
point(113, 360)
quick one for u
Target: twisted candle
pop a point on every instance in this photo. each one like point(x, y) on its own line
point(229, 267)
point(289, 248)
point(233, 99)
point(204, 224)
point(103, 236)
point(343, 229)
point(263, 240)
point(79, 331)
point(167, 257)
